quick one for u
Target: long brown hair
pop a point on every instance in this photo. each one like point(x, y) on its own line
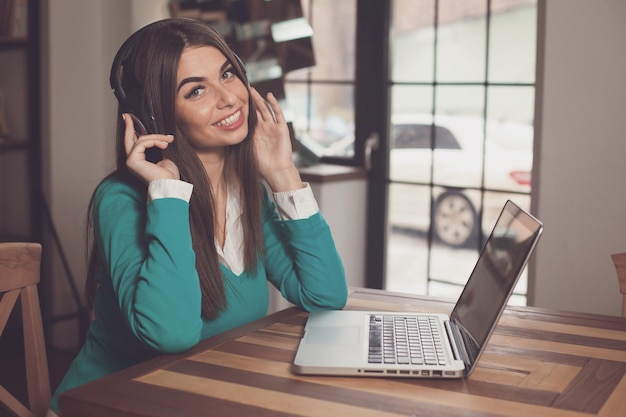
point(154, 64)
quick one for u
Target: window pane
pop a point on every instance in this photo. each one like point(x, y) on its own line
point(513, 41)
point(456, 225)
point(409, 217)
point(509, 139)
point(334, 24)
point(407, 99)
point(323, 117)
point(460, 112)
point(410, 154)
point(511, 103)
point(460, 100)
point(461, 41)
point(447, 278)
point(412, 45)
point(320, 98)
point(461, 165)
point(411, 120)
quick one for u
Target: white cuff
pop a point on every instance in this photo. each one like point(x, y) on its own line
point(296, 204)
point(169, 189)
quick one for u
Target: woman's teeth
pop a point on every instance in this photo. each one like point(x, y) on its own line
point(229, 120)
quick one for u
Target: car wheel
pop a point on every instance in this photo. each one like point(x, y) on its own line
point(454, 219)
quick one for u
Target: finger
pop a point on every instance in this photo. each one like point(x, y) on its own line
point(277, 111)
point(264, 111)
point(153, 141)
point(130, 136)
point(156, 137)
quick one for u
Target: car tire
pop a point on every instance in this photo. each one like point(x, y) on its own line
point(454, 219)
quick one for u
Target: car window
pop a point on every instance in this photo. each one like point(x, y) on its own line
point(418, 136)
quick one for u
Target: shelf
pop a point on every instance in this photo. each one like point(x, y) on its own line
point(7, 42)
point(13, 144)
point(331, 173)
point(10, 237)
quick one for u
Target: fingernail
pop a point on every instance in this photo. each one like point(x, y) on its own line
point(123, 117)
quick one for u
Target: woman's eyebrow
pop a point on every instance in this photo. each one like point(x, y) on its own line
point(188, 80)
point(225, 65)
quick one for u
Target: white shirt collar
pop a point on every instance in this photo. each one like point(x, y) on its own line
point(231, 255)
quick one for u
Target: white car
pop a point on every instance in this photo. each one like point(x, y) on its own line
point(462, 145)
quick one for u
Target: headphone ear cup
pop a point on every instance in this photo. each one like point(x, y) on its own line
point(135, 104)
point(153, 154)
point(131, 106)
point(131, 99)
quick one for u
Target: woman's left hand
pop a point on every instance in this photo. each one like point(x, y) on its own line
point(272, 145)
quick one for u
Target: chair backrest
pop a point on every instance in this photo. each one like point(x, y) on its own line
point(19, 276)
point(619, 261)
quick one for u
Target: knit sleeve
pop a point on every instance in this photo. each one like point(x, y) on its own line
point(302, 261)
point(148, 253)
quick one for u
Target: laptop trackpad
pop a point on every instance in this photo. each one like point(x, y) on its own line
point(329, 335)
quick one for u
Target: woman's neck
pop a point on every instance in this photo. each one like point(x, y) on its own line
point(213, 166)
point(215, 170)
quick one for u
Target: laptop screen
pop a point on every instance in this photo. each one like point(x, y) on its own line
point(497, 270)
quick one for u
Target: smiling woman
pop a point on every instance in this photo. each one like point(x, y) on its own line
point(211, 102)
point(183, 245)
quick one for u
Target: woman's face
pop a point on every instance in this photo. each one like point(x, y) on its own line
point(211, 101)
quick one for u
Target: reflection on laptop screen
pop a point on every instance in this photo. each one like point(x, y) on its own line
point(492, 281)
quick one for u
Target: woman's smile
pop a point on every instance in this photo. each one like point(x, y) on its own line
point(232, 122)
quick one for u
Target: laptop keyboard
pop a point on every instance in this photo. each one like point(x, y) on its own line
point(397, 339)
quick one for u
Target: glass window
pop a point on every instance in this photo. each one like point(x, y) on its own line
point(461, 46)
point(414, 40)
point(461, 99)
point(513, 22)
point(321, 98)
point(462, 105)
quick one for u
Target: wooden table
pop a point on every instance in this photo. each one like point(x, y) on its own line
point(538, 363)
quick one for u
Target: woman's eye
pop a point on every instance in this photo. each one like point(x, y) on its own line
point(195, 92)
point(228, 74)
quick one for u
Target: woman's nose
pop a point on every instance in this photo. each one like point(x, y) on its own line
point(226, 97)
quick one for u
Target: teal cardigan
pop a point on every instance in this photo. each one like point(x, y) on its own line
point(149, 301)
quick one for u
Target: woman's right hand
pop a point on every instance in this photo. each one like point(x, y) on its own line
point(136, 154)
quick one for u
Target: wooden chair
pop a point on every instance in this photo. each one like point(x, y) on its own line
point(619, 260)
point(19, 276)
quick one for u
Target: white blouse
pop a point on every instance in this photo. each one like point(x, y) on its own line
point(292, 205)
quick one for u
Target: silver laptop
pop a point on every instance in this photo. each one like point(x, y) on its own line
point(393, 344)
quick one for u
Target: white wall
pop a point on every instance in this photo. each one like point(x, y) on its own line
point(147, 11)
point(579, 179)
point(343, 203)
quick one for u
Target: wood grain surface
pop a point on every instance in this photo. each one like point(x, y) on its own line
point(537, 363)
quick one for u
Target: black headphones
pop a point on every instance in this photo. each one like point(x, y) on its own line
point(132, 100)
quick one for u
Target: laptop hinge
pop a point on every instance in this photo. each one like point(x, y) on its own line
point(457, 341)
